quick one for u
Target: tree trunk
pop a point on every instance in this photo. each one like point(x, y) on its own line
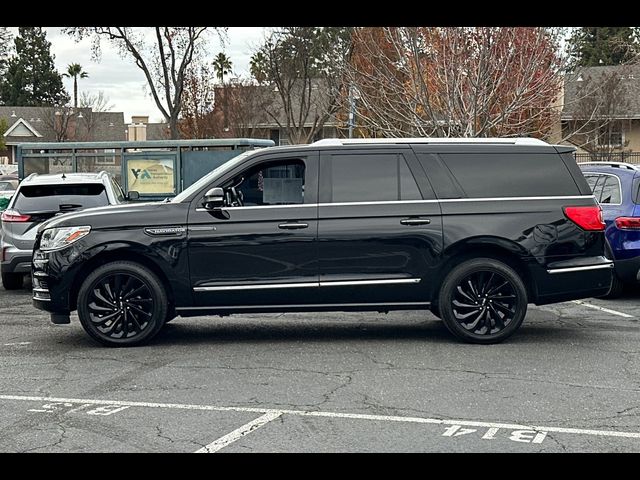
point(75, 92)
point(173, 126)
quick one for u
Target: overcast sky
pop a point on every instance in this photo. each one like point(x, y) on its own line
point(122, 81)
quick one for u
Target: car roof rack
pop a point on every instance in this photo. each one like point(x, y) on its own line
point(628, 166)
point(490, 141)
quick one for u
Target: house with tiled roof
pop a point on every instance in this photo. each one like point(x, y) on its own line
point(601, 111)
point(55, 124)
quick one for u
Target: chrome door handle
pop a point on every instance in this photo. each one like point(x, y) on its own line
point(293, 226)
point(415, 221)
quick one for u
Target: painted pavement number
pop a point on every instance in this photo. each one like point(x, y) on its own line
point(481, 430)
point(524, 436)
point(66, 407)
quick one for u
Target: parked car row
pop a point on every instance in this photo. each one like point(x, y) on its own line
point(471, 229)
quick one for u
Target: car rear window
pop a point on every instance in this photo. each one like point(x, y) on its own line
point(511, 175)
point(48, 198)
point(7, 185)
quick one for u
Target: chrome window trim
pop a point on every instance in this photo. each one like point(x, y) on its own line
point(396, 202)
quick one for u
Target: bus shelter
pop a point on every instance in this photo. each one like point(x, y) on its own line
point(155, 169)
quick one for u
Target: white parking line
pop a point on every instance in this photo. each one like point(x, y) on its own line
point(240, 432)
point(16, 344)
point(602, 309)
point(356, 416)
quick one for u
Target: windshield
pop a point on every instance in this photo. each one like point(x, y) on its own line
point(7, 185)
point(204, 181)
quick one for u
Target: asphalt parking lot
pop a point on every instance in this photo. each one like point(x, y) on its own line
point(568, 381)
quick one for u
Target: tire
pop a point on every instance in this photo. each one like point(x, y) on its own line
point(12, 281)
point(133, 298)
point(617, 287)
point(483, 301)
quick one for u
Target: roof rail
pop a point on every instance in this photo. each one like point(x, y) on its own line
point(629, 166)
point(31, 176)
point(495, 141)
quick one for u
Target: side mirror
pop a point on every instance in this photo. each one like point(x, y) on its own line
point(213, 199)
point(133, 195)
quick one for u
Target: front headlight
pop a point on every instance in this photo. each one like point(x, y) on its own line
point(57, 238)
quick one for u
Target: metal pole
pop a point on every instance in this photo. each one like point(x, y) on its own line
point(352, 110)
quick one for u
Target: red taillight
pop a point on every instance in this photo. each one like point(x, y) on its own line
point(587, 218)
point(13, 216)
point(628, 223)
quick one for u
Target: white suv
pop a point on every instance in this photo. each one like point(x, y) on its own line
point(40, 197)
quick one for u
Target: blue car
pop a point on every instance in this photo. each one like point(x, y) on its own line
point(617, 187)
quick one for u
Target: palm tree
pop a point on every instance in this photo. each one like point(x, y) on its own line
point(222, 66)
point(74, 71)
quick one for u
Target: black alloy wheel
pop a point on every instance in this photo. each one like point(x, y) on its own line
point(122, 304)
point(485, 301)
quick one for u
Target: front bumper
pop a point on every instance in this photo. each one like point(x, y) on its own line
point(573, 279)
point(49, 293)
point(15, 260)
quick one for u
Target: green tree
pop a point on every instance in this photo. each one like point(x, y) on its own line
point(31, 78)
point(222, 65)
point(5, 44)
point(596, 46)
point(74, 71)
point(3, 128)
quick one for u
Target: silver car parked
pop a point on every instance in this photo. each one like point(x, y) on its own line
point(38, 198)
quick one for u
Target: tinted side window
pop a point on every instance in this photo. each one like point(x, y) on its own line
point(511, 175)
point(53, 198)
point(273, 183)
point(611, 190)
point(376, 177)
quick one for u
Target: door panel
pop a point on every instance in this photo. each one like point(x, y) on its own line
point(258, 254)
point(379, 239)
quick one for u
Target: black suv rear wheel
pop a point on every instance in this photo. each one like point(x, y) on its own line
point(122, 304)
point(483, 301)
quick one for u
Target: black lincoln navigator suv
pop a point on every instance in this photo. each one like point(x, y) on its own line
point(473, 230)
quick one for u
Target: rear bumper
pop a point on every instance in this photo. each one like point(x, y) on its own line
point(573, 279)
point(16, 261)
point(628, 270)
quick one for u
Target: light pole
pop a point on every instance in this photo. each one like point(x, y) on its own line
point(353, 96)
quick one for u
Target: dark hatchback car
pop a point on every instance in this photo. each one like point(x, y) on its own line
point(616, 186)
point(473, 230)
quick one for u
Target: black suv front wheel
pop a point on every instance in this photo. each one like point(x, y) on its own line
point(122, 304)
point(483, 301)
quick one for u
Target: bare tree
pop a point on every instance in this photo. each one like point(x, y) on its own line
point(60, 120)
point(164, 54)
point(248, 107)
point(97, 102)
point(198, 119)
point(596, 102)
point(303, 66)
point(456, 81)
